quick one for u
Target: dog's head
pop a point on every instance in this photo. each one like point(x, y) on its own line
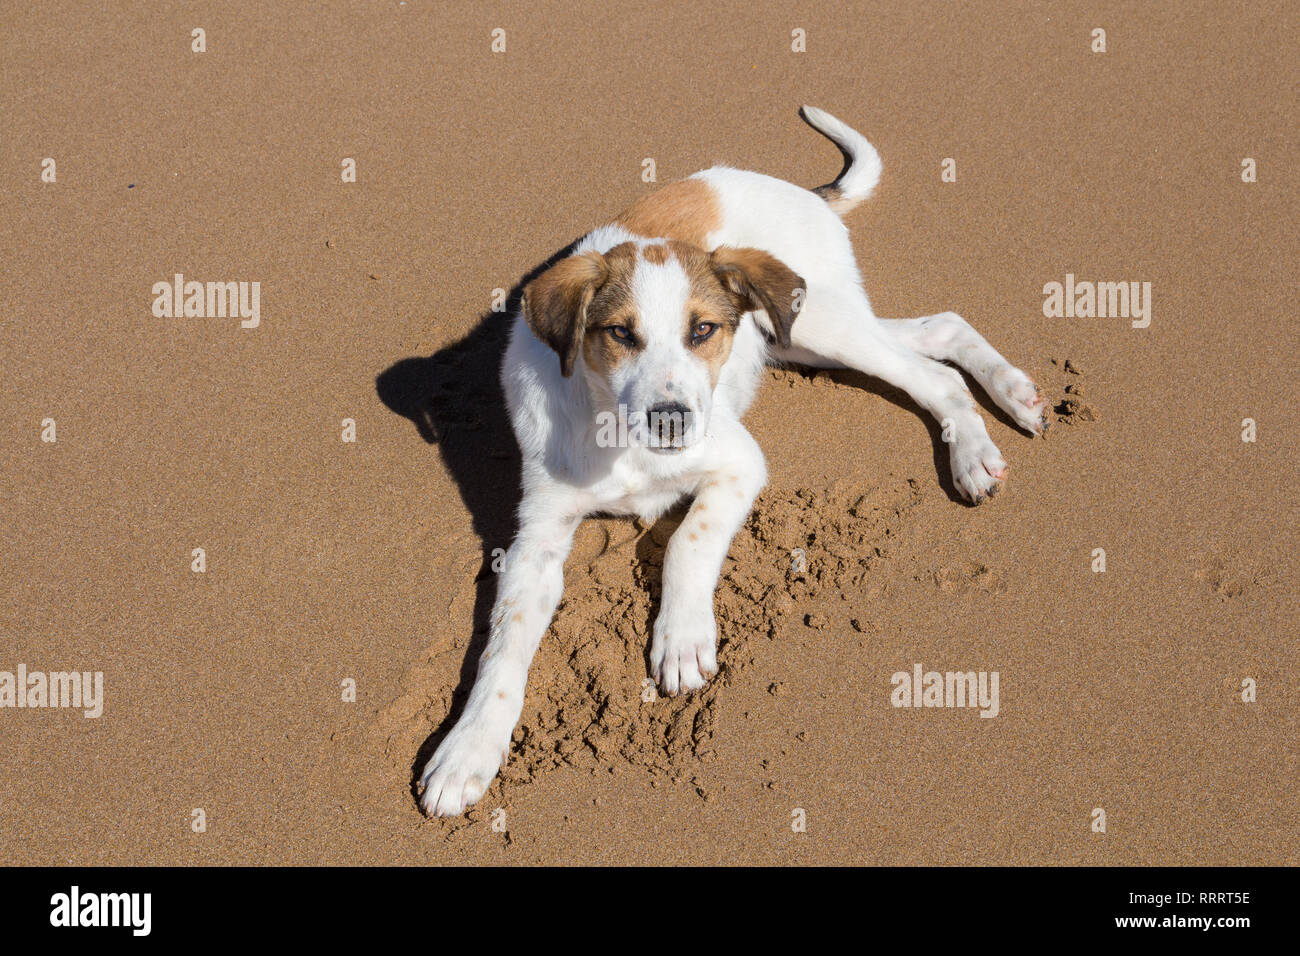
point(650, 327)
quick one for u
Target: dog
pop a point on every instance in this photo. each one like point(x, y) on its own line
point(629, 366)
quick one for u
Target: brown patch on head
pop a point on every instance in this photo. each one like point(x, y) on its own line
point(612, 306)
point(687, 210)
point(655, 255)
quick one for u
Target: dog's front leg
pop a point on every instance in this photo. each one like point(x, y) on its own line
point(531, 583)
point(683, 649)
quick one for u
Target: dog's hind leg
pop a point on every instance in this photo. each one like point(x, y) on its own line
point(836, 328)
point(949, 338)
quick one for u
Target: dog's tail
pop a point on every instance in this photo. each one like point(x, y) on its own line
point(862, 166)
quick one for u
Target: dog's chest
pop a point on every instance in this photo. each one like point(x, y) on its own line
point(629, 490)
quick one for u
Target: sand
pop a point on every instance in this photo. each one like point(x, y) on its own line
point(330, 562)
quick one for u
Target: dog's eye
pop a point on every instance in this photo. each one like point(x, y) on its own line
point(702, 331)
point(620, 332)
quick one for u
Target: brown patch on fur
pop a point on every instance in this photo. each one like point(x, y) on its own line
point(655, 255)
point(612, 305)
point(687, 210)
point(831, 193)
point(758, 280)
point(603, 353)
point(836, 199)
point(716, 349)
point(555, 303)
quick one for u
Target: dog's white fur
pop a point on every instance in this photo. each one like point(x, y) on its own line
point(568, 475)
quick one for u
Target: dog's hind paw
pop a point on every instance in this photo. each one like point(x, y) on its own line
point(977, 471)
point(1018, 396)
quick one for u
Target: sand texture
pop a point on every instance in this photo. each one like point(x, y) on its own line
point(369, 563)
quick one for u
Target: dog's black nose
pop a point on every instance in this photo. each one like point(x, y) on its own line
point(667, 423)
point(670, 408)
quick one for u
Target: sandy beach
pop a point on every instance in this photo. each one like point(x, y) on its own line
point(283, 618)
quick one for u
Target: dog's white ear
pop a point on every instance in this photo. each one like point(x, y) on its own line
point(555, 304)
point(757, 280)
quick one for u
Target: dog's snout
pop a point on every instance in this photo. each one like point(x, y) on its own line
point(668, 423)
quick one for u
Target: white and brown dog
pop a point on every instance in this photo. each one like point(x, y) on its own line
point(628, 370)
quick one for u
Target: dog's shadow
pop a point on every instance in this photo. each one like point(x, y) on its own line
point(455, 400)
point(898, 397)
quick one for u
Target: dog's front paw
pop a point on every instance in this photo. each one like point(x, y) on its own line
point(684, 650)
point(977, 469)
point(460, 770)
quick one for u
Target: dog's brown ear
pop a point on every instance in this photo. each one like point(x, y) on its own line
point(555, 304)
point(757, 280)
